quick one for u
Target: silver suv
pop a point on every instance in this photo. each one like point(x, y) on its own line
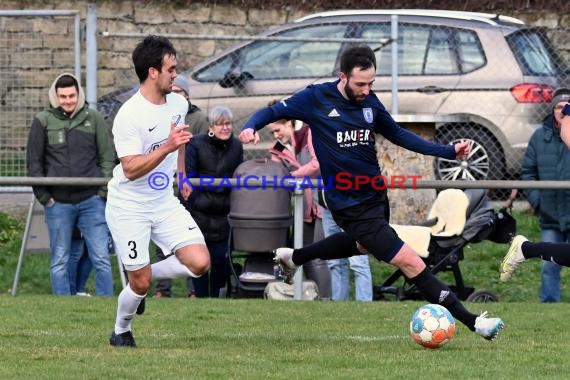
point(494, 72)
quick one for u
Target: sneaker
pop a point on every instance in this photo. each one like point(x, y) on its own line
point(488, 328)
point(513, 258)
point(125, 339)
point(83, 294)
point(142, 306)
point(283, 257)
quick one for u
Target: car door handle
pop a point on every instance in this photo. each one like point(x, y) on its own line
point(430, 90)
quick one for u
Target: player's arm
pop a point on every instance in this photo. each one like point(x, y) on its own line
point(181, 166)
point(259, 120)
point(136, 166)
point(387, 126)
point(292, 108)
point(565, 125)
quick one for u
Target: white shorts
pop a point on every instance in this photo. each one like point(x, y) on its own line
point(170, 226)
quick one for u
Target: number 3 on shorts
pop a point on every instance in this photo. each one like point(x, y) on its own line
point(133, 246)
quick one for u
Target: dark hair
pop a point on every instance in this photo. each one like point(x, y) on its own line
point(66, 81)
point(275, 101)
point(360, 56)
point(149, 53)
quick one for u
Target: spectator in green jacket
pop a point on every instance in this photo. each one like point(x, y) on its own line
point(69, 139)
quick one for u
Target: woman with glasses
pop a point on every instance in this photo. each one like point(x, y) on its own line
point(214, 154)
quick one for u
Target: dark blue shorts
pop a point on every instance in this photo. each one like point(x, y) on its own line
point(368, 224)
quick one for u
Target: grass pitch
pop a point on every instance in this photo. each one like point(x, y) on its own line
point(44, 337)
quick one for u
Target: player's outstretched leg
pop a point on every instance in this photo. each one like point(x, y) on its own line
point(283, 258)
point(435, 291)
point(513, 258)
point(336, 246)
point(488, 328)
point(521, 249)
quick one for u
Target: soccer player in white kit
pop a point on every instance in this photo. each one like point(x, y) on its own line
point(150, 135)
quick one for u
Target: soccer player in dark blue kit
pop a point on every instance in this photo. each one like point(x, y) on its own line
point(344, 117)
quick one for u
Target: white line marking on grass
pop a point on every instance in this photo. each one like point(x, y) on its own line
point(356, 338)
point(360, 338)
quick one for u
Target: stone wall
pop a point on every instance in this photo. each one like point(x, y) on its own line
point(245, 17)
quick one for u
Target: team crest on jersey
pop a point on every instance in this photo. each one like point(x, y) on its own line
point(368, 115)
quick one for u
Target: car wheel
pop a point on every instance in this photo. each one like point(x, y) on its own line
point(485, 161)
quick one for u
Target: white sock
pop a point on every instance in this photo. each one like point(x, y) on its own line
point(170, 268)
point(128, 302)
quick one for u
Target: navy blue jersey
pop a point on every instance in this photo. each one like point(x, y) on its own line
point(344, 138)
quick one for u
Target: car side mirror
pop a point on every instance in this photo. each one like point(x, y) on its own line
point(233, 79)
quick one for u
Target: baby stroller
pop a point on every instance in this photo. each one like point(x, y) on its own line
point(260, 221)
point(456, 219)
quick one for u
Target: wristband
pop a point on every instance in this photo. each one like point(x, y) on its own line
point(566, 109)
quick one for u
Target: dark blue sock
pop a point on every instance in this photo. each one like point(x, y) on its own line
point(336, 246)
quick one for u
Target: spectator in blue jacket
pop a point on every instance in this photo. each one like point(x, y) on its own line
point(565, 124)
point(548, 159)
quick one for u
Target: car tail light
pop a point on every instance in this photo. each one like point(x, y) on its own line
point(532, 93)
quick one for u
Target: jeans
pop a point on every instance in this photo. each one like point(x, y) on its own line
point(339, 269)
point(550, 275)
point(89, 217)
point(209, 284)
point(78, 267)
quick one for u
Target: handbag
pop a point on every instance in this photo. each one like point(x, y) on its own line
point(504, 227)
point(277, 290)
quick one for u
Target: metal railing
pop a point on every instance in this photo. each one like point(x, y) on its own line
point(408, 184)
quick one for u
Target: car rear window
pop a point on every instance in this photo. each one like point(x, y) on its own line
point(534, 53)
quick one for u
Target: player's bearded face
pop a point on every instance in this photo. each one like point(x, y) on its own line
point(351, 94)
point(359, 83)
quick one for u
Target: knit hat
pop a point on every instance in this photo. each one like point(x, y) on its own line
point(182, 82)
point(560, 95)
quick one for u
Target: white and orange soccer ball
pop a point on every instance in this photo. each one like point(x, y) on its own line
point(432, 326)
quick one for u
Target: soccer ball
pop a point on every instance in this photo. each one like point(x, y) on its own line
point(432, 326)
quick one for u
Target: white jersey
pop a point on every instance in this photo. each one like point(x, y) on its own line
point(139, 128)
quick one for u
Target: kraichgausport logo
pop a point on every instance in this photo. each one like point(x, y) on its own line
point(341, 181)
